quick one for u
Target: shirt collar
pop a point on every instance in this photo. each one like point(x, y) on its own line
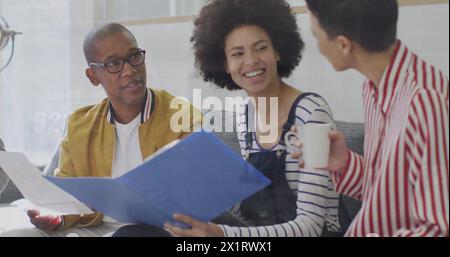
point(394, 76)
point(147, 108)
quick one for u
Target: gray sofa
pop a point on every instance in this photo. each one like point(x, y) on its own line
point(354, 133)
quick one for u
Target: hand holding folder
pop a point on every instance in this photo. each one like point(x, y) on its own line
point(200, 176)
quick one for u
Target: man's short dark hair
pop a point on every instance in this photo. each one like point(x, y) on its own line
point(220, 17)
point(100, 33)
point(370, 23)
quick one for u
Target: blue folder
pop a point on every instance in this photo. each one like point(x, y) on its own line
point(200, 176)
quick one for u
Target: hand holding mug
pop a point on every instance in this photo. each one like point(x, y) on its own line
point(338, 151)
point(315, 142)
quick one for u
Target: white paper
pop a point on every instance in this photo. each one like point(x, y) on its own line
point(38, 190)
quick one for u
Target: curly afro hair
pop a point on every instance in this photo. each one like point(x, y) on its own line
point(220, 17)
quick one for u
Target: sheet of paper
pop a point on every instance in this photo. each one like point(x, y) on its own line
point(38, 190)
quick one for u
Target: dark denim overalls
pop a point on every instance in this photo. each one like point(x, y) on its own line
point(276, 203)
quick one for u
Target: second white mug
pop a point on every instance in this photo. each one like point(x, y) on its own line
point(316, 144)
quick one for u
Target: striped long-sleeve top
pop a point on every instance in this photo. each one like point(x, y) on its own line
point(403, 177)
point(317, 202)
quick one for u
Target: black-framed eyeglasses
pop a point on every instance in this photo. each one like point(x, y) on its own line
point(116, 65)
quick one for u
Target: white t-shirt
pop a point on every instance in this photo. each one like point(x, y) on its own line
point(127, 152)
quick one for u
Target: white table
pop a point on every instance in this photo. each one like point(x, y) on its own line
point(15, 222)
point(12, 217)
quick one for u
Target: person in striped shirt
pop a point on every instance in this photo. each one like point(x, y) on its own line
point(403, 177)
point(252, 45)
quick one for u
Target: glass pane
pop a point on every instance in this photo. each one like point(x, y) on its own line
point(126, 10)
point(34, 88)
point(296, 2)
point(122, 10)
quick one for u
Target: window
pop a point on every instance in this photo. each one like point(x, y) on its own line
point(120, 10)
point(34, 88)
point(135, 10)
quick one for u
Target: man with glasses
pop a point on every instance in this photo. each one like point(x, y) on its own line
point(118, 134)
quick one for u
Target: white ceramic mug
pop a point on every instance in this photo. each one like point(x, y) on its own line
point(316, 144)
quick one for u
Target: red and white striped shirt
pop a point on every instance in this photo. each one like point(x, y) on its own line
point(403, 178)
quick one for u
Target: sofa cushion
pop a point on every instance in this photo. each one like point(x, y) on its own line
point(230, 138)
point(10, 193)
point(354, 135)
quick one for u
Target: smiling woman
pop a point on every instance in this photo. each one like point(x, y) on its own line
point(256, 45)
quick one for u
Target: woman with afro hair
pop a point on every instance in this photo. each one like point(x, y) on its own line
point(252, 45)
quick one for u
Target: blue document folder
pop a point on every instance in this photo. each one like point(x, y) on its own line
point(200, 176)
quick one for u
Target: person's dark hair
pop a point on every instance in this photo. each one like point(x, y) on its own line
point(220, 17)
point(370, 23)
point(100, 33)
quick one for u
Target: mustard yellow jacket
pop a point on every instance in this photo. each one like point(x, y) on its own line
point(87, 149)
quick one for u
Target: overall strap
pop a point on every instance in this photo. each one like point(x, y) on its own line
point(292, 114)
point(291, 117)
point(287, 126)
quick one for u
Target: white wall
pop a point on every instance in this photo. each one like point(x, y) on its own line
point(170, 64)
point(46, 78)
point(34, 88)
point(425, 29)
